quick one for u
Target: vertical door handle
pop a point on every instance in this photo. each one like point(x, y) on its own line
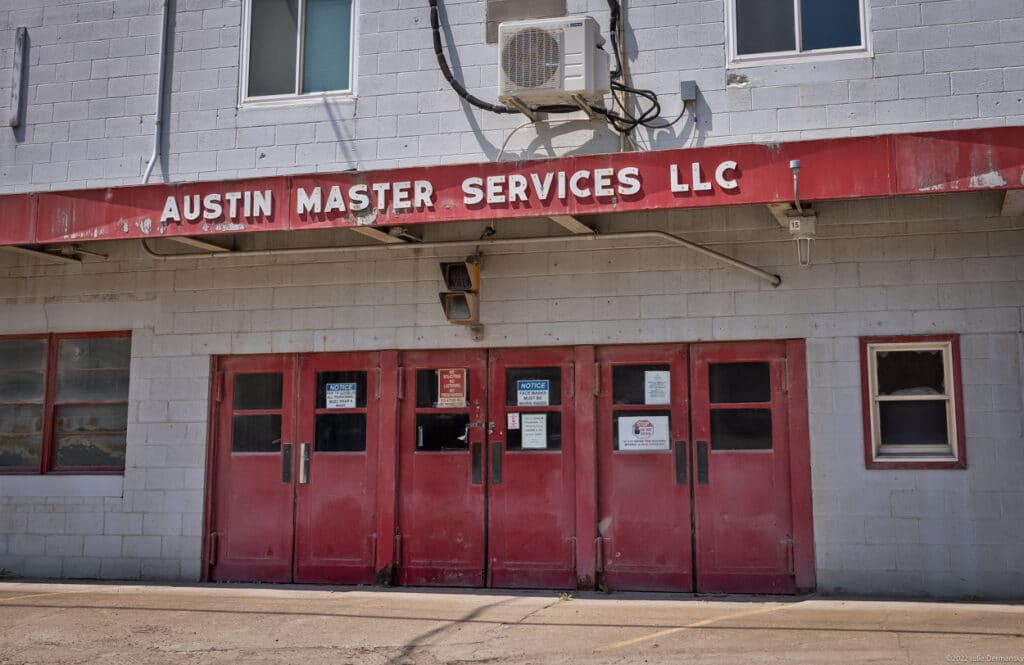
point(304, 464)
point(496, 462)
point(680, 462)
point(702, 462)
point(286, 463)
point(476, 454)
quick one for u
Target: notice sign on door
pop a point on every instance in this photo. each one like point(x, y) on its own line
point(532, 392)
point(644, 433)
point(656, 387)
point(340, 396)
point(451, 387)
point(535, 431)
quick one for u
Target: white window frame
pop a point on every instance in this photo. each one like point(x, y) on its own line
point(798, 55)
point(296, 98)
point(945, 453)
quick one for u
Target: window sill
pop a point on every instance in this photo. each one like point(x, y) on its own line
point(292, 101)
point(750, 61)
point(58, 485)
point(915, 464)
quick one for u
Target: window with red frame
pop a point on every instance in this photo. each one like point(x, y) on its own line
point(913, 409)
point(64, 402)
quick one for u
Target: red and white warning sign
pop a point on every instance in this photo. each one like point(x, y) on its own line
point(451, 387)
point(644, 433)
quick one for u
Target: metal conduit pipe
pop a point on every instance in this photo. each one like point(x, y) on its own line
point(772, 279)
point(160, 91)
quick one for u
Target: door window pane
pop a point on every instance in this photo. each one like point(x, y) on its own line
point(256, 434)
point(741, 429)
point(22, 354)
point(325, 64)
point(537, 431)
point(347, 390)
point(428, 388)
point(911, 373)
point(340, 432)
point(272, 47)
point(913, 422)
point(765, 26)
point(90, 449)
point(442, 431)
point(640, 384)
point(541, 386)
point(829, 23)
point(731, 383)
point(255, 392)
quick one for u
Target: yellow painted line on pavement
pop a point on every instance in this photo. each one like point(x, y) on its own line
point(689, 626)
point(34, 595)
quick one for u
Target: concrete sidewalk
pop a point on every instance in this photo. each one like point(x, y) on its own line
point(121, 623)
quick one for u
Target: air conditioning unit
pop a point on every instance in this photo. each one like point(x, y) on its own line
point(552, 61)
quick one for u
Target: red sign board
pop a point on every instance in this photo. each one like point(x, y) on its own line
point(451, 387)
point(928, 163)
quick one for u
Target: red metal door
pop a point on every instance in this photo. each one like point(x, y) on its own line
point(531, 520)
point(250, 534)
point(644, 527)
point(742, 497)
point(336, 468)
point(442, 484)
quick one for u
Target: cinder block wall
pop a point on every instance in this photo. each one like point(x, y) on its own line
point(908, 266)
point(93, 81)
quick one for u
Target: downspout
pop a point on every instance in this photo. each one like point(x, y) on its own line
point(160, 91)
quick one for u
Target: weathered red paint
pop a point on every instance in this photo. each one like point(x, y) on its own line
point(833, 169)
point(585, 415)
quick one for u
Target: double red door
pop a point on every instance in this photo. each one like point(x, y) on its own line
point(486, 487)
point(295, 469)
point(694, 468)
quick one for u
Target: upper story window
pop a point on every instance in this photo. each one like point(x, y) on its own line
point(912, 402)
point(64, 403)
point(781, 28)
point(297, 47)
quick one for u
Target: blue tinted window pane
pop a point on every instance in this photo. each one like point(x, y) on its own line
point(326, 45)
point(764, 26)
point(829, 23)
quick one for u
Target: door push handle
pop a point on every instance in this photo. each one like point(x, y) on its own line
point(286, 463)
point(702, 462)
point(476, 454)
point(304, 464)
point(496, 462)
point(680, 462)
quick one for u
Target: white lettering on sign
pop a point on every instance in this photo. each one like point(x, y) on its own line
point(210, 207)
point(696, 182)
point(404, 195)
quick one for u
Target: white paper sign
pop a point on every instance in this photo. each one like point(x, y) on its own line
point(644, 433)
point(340, 396)
point(513, 421)
point(532, 392)
point(657, 388)
point(535, 430)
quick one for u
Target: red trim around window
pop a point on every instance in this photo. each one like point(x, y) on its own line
point(48, 444)
point(870, 462)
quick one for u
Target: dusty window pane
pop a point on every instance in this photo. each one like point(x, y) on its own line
point(426, 387)
point(93, 449)
point(256, 434)
point(741, 429)
point(442, 431)
point(95, 353)
point(911, 373)
point(553, 375)
point(21, 431)
point(628, 382)
point(272, 41)
point(92, 418)
point(22, 354)
point(829, 23)
point(913, 423)
point(324, 378)
point(731, 383)
point(22, 386)
point(552, 433)
point(92, 385)
point(764, 26)
point(340, 432)
point(254, 392)
point(325, 59)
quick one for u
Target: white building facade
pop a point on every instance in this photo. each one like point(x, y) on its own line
point(683, 375)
